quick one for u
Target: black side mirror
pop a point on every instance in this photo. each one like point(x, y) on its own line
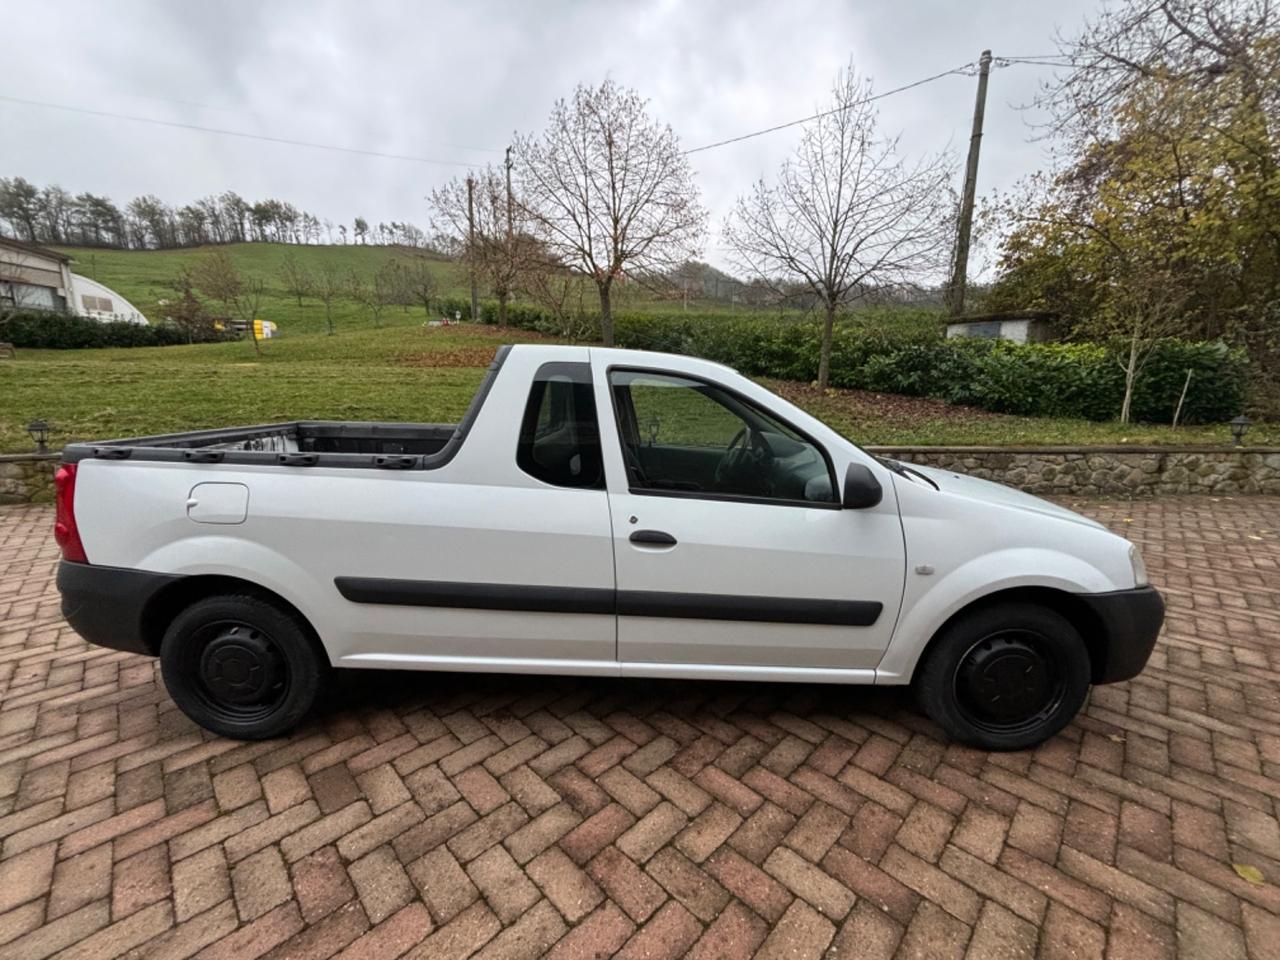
point(861, 488)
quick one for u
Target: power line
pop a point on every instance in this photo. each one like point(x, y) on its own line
point(234, 133)
point(963, 69)
point(1036, 56)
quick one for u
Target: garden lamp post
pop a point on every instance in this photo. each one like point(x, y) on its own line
point(1239, 427)
point(39, 431)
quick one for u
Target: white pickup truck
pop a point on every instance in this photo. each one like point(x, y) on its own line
point(597, 512)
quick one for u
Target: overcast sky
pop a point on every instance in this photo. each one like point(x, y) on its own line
point(452, 81)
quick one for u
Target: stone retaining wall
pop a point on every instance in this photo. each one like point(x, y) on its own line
point(1126, 471)
point(27, 477)
point(1061, 471)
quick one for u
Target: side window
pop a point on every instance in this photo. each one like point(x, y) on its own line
point(559, 435)
point(688, 437)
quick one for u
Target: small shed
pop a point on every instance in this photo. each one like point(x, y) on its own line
point(1020, 326)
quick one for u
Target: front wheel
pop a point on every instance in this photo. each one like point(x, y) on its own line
point(241, 667)
point(1005, 677)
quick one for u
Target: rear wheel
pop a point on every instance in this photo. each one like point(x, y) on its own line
point(241, 667)
point(1004, 677)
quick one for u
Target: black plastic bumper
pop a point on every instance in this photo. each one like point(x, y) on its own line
point(1130, 621)
point(106, 605)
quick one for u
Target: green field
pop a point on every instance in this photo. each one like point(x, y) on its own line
point(403, 371)
point(145, 277)
point(416, 373)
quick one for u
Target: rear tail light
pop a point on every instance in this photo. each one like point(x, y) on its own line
point(65, 530)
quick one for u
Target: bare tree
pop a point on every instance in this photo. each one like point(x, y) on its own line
point(296, 278)
point(216, 276)
point(1225, 47)
point(329, 285)
point(608, 190)
point(417, 282)
point(494, 253)
point(395, 278)
point(187, 311)
point(248, 303)
point(375, 293)
point(558, 290)
point(846, 213)
point(390, 286)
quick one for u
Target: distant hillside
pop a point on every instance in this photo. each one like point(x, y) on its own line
point(143, 276)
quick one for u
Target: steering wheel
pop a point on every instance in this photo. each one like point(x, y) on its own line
point(746, 462)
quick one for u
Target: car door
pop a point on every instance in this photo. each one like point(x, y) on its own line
point(501, 560)
point(731, 549)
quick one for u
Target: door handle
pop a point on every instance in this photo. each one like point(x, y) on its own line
point(653, 538)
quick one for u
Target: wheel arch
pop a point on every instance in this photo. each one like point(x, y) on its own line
point(172, 599)
point(1068, 605)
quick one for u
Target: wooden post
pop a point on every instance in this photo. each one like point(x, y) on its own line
point(959, 275)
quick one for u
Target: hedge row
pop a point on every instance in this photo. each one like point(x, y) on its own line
point(39, 330)
point(907, 354)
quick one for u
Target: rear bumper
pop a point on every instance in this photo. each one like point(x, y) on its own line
point(1130, 621)
point(107, 605)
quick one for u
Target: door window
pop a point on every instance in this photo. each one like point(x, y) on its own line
point(560, 435)
point(686, 437)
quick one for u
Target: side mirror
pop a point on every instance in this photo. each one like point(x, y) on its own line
point(861, 488)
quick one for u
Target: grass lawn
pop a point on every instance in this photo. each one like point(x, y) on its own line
point(416, 373)
point(144, 276)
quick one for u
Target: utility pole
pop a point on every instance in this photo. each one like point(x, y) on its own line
point(510, 252)
point(959, 275)
point(471, 246)
point(510, 202)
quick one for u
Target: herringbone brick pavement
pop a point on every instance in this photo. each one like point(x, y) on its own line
point(446, 817)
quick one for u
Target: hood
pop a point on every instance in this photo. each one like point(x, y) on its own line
point(986, 491)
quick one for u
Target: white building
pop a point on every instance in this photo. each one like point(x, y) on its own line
point(36, 278)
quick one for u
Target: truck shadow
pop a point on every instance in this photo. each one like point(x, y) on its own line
point(355, 693)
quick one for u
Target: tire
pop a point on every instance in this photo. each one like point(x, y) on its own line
point(1004, 677)
point(242, 667)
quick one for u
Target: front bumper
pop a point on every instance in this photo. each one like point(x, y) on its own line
point(107, 605)
point(1130, 621)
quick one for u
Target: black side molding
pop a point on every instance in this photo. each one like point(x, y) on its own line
point(476, 596)
point(716, 606)
point(602, 600)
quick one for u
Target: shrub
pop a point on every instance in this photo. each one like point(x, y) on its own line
point(1084, 380)
point(41, 330)
point(904, 351)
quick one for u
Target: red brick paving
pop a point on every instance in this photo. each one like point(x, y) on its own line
point(425, 817)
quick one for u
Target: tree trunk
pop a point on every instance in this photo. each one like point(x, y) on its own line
point(503, 296)
point(1130, 376)
point(606, 315)
point(824, 356)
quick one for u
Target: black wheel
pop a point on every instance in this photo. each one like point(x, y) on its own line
point(241, 666)
point(1005, 677)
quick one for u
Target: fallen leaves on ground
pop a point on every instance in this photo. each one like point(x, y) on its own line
point(1250, 873)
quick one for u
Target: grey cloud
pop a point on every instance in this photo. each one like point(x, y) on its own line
point(429, 79)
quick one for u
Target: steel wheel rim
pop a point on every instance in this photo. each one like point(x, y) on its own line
point(238, 672)
point(1009, 682)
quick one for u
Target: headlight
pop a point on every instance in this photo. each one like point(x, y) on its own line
point(1139, 568)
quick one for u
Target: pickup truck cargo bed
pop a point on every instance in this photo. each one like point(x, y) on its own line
point(304, 443)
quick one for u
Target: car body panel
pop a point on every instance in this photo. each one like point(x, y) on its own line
point(548, 579)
